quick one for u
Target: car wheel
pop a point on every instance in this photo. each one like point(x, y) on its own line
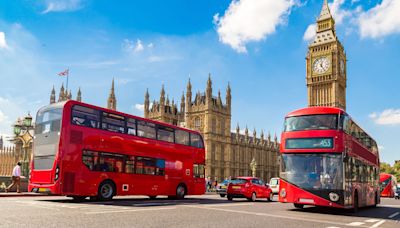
point(253, 197)
point(271, 197)
point(298, 206)
point(222, 195)
point(230, 198)
point(106, 191)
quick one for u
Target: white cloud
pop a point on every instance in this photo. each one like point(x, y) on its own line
point(251, 20)
point(150, 45)
point(130, 46)
point(139, 107)
point(3, 43)
point(387, 117)
point(338, 13)
point(310, 33)
point(381, 20)
point(380, 147)
point(62, 6)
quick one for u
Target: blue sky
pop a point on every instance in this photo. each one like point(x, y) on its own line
point(258, 46)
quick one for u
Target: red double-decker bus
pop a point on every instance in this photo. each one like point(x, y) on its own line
point(388, 184)
point(81, 150)
point(327, 160)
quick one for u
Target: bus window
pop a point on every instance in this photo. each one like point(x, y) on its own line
point(196, 141)
point(130, 164)
point(182, 137)
point(84, 116)
point(131, 126)
point(146, 129)
point(112, 122)
point(311, 122)
point(90, 158)
point(160, 167)
point(198, 171)
point(165, 134)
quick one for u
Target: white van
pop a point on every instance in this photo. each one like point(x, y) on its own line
point(274, 185)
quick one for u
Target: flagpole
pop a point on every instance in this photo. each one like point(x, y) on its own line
point(67, 78)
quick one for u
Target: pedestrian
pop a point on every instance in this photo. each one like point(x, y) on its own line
point(16, 178)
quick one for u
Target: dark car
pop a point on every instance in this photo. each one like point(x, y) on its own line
point(221, 187)
point(250, 188)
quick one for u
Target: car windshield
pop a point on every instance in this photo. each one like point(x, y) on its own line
point(225, 182)
point(274, 181)
point(238, 181)
point(313, 171)
point(311, 122)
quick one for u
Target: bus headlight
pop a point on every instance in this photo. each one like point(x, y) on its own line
point(57, 173)
point(334, 197)
point(283, 193)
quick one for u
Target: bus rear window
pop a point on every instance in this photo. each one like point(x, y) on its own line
point(311, 122)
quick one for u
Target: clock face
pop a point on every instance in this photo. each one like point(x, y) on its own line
point(321, 65)
point(342, 66)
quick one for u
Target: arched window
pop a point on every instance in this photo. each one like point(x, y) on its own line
point(197, 122)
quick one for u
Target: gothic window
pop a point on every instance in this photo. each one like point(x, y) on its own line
point(222, 127)
point(197, 123)
point(222, 153)
point(214, 125)
point(212, 152)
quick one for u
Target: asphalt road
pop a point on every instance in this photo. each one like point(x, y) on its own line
point(195, 211)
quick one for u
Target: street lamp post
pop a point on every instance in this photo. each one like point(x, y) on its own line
point(22, 132)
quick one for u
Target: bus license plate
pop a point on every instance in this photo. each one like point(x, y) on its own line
point(303, 200)
point(42, 190)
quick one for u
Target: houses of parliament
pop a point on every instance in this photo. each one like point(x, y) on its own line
point(227, 154)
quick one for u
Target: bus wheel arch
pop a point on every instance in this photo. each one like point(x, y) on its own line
point(107, 190)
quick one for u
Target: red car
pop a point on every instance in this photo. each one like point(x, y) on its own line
point(250, 188)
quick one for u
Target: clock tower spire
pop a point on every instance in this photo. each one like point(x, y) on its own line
point(326, 64)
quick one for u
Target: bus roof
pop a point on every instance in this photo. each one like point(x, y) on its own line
point(72, 102)
point(315, 111)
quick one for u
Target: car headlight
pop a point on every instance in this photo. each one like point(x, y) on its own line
point(334, 197)
point(283, 193)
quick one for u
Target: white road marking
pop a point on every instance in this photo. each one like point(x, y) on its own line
point(397, 206)
point(393, 215)
point(267, 215)
point(229, 205)
point(332, 227)
point(378, 223)
point(356, 224)
point(133, 210)
point(372, 220)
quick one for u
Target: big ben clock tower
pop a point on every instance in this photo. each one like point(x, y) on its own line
point(326, 65)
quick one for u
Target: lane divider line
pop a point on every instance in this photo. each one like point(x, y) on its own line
point(133, 210)
point(270, 215)
point(378, 224)
point(393, 215)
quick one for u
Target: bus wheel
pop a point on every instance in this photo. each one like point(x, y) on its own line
point(180, 191)
point(230, 198)
point(106, 190)
point(355, 203)
point(152, 197)
point(298, 206)
point(78, 198)
point(222, 195)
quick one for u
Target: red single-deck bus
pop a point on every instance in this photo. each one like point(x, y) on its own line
point(327, 160)
point(388, 184)
point(81, 150)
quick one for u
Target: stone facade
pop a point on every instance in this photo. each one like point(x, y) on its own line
point(326, 65)
point(227, 154)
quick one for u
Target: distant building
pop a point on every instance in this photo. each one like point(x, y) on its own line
point(227, 154)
